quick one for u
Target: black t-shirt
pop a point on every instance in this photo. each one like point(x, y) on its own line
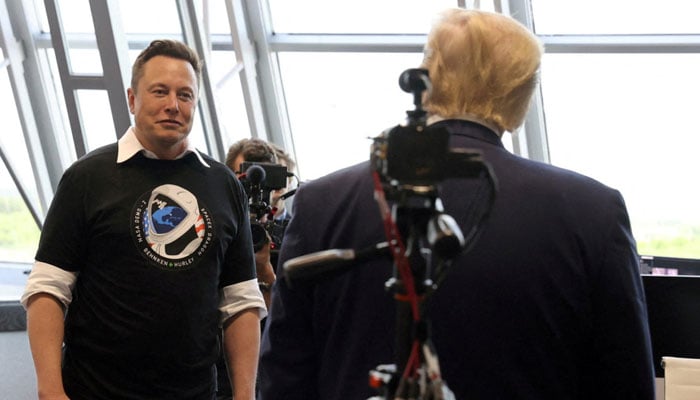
point(153, 242)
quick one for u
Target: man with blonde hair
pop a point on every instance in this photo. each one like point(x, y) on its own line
point(548, 304)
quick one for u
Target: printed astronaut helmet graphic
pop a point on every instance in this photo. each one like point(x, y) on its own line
point(172, 224)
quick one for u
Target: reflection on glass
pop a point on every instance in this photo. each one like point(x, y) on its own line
point(616, 17)
point(628, 120)
point(337, 101)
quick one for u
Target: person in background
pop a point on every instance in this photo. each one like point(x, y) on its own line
point(548, 304)
point(251, 150)
point(278, 202)
point(256, 150)
point(145, 255)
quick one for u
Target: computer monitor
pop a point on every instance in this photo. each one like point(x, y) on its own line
point(659, 265)
point(673, 304)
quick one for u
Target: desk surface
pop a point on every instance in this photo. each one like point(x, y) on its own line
point(13, 277)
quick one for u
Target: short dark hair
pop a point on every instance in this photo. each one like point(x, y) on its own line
point(168, 48)
point(253, 150)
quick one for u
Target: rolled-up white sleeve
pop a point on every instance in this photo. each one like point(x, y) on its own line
point(46, 278)
point(241, 296)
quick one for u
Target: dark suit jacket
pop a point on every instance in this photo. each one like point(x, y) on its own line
point(547, 305)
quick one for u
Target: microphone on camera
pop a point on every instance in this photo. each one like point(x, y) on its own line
point(318, 265)
point(255, 174)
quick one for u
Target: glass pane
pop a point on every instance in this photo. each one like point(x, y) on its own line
point(229, 95)
point(12, 142)
point(19, 233)
point(196, 135)
point(218, 18)
point(96, 115)
point(85, 61)
point(79, 31)
point(76, 16)
point(19, 238)
point(359, 16)
point(337, 101)
point(152, 16)
point(43, 21)
point(137, 16)
point(616, 17)
point(54, 89)
point(628, 120)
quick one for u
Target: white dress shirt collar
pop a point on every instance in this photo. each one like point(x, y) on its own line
point(129, 146)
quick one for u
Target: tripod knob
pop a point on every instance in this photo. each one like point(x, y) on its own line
point(445, 236)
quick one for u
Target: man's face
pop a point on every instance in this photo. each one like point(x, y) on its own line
point(163, 103)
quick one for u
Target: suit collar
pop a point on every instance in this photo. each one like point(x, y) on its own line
point(464, 128)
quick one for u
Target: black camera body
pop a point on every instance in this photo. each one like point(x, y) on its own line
point(259, 180)
point(414, 158)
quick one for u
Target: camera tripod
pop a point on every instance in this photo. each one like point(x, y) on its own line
point(433, 239)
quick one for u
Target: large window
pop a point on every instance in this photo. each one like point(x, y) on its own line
point(19, 233)
point(628, 121)
point(337, 101)
point(356, 17)
point(618, 86)
point(617, 93)
point(626, 17)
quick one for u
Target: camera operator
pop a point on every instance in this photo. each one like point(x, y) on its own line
point(548, 304)
point(254, 150)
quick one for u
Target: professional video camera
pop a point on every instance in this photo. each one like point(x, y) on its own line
point(413, 159)
point(259, 180)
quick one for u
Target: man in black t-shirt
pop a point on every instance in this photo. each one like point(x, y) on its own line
point(147, 248)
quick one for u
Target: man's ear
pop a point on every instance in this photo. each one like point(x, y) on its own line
point(131, 98)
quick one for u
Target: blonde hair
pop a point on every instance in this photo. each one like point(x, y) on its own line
point(481, 64)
